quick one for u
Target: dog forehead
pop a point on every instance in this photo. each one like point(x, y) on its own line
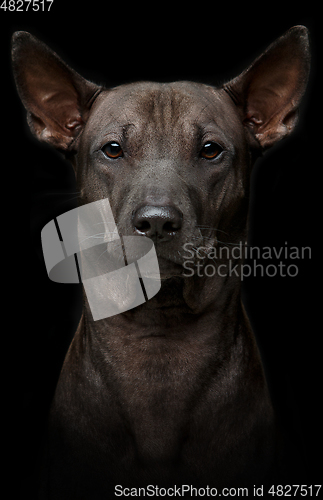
point(165, 107)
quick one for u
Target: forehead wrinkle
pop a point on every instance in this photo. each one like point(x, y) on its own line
point(169, 112)
point(157, 109)
point(168, 108)
point(116, 105)
point(210, 111)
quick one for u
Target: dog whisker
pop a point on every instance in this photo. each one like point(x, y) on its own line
point(211, 228)
point(227, 243)
point(95, 236)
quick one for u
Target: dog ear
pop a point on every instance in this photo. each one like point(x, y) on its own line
point(268, 93)
point(57, 98)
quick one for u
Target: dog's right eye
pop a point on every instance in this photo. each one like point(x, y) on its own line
point(112, 150)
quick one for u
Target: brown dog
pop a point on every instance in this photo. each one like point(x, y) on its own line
point(172, 391)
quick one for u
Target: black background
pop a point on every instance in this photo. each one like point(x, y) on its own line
point(110, 44)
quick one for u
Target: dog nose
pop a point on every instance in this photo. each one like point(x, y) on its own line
point(157, 222)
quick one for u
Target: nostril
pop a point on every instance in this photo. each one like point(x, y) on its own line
point(170, 226)
point(143, 225)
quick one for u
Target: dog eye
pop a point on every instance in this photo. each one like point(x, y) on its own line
point(112, 150)
point(211, 150)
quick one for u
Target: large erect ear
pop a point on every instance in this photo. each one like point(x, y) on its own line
point(268, 93)
point(57, 98)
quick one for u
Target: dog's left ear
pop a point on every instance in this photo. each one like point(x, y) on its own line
point(268, 93)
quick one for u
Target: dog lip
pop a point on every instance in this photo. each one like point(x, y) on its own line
point(169, 268)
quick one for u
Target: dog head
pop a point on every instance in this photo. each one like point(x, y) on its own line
point(174, 159)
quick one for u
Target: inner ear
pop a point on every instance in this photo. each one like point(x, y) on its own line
point(56, 97)
point(269, 92)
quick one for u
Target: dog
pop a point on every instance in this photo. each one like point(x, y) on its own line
point(172, 391)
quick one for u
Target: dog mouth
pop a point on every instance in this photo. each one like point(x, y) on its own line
point(169, 269)
point(172, 256)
